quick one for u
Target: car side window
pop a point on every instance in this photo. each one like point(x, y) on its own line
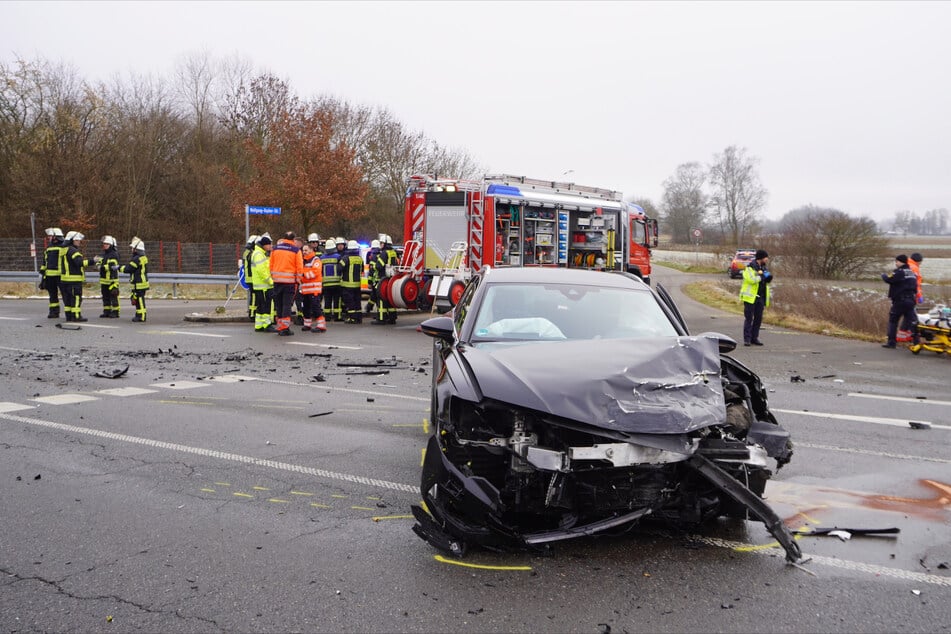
point(462, 308)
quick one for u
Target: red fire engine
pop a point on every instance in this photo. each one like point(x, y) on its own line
point(453, 228)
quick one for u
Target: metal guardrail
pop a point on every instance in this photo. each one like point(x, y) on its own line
point(92, 277)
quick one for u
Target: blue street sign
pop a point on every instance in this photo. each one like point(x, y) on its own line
point(264, 211)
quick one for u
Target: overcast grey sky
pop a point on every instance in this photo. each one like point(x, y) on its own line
point(846, 104)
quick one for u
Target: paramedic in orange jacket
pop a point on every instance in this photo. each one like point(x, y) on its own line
point(287, 267)
point(311, 287)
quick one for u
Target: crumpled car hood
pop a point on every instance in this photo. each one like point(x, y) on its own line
point(665, 385)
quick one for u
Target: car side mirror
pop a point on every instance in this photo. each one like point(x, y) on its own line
point(441, 328)
point(727, 343)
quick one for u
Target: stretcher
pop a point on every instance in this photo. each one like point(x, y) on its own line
point(934, 331)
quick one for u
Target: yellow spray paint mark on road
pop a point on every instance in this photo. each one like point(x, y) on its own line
point(222, 484)
point(243, 495)
point(391, 517)
point(423, 506)
point(422, 457)
point(318, 505)
point(362, 508)
point(209, 490)
point(407, 425)
point(809, 519)
point(261, 488)
point(337, 495)
point(300, 493)
point(442, 559)
point(753, 547)
point(374, 497)
point(426, 426)
point(278, 501)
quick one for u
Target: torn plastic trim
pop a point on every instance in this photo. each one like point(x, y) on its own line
point(587, 529)
point(742, 495)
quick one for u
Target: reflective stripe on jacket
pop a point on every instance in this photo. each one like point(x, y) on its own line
point(312, 283)
point(751, 281)
point(352, 271)
point(109, 266)
point(331, 265)
point(74, 265)
point(286, 262)
point(137, 270)
point(53, 260)
point(260, 269)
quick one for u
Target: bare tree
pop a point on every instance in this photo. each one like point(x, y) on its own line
point(684, 201)
point(825, 243)
point(737, 195)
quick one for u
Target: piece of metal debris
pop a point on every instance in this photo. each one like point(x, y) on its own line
point(319, 378)
point(65, 326)
point(796, 379)
point(320, 414)
point(914, 424)
point(111, 374)
point(833, 531)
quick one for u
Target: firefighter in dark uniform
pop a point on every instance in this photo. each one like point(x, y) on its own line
point(137, 270)
point(109, 277)
point(387, 257)
point(373, 280)
point(330, 261)
point(74, 274)
point(52, 269)
point(350, 278)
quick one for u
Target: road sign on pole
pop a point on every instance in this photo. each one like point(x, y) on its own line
point(257, 210)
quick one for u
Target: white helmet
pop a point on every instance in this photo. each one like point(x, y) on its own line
point(54, 232)
point(342, 241)
point(386, 239)
point(252, 239)
point(313, 238)
point(109, 240)
point(331, 244)
point(352, 245)
point(264, 238)
point(375, 244)
point(75, 235)
point(137, 244)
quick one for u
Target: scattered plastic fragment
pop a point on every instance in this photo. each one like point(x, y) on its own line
point(320, 414)
point(796, 379)
point(916, 592)
point(843, 535)
point(914, 424)
point(68, 326)
point(111, 374)
point(816, 532)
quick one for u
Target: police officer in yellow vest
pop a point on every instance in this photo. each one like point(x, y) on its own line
point(755, 295)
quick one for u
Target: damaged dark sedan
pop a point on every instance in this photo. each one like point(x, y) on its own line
point(568, 403)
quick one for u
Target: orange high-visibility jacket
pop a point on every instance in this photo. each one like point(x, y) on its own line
point(313, 277)
point(287, 265)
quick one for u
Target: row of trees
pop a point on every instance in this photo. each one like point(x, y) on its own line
point(178, 158)
point(933, 222)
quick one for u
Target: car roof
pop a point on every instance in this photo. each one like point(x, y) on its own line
point(552, 275)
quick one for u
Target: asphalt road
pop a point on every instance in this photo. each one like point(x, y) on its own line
point(233, 481)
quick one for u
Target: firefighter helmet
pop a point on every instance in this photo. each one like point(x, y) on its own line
point(341, 240)
point(330, 245)
point(109, 240)
point(74, 236)
point(386, 239)
point(137, 244)
point(264, 239)
point(375, 244)
point(54, 232)
point(252, 239)
point(313, 238)
point(352, 245)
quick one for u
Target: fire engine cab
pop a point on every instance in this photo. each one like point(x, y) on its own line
point(453, 228)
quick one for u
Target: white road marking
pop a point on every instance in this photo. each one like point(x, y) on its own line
point(99, 326)
point(893, 422)
point(868, 452)
point(126, 391)
point(324, 345)
point(324, 386)
point(179, 385)
point(903, 399)
point(14, 318)
point(185, 332)
point(13, 407)
point(212, 453)
point(231, 378)
point(832, 562)
point(64, 399)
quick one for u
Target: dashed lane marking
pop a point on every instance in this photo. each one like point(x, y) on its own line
point(14, 407)
point(347, 390)
point(892, 422)
point(179, 385)
point(14, 318)
point(126, 391)
point(324, 345)
point(64, 399)
point(100, 326)
point(219, 455)
point(231, 378)
point(903, 399)
point(185, 332)
point(869, 452)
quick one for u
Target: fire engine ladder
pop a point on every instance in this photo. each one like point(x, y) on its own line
point(454, 270)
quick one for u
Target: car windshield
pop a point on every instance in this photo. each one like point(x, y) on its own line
point(552, 312)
